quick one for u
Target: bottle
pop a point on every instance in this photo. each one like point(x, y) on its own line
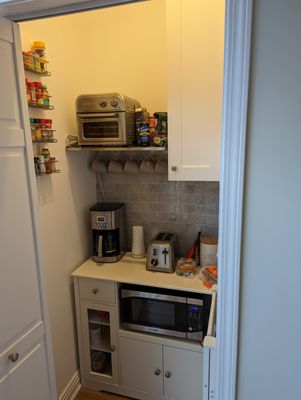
point(45, 153)
point(42, 167)
point(142, 126)
point(38, 50)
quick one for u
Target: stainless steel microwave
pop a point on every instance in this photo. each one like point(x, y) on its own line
point(163, 312)
point(106, 119)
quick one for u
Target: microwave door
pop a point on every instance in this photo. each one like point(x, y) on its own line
point(154, 313)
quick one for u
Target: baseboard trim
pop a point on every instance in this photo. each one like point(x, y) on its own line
point(72, 388)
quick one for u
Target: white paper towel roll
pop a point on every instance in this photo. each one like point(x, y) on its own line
point(138, 249)
point(208, 250)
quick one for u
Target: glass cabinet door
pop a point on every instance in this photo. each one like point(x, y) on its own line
point(99, 341)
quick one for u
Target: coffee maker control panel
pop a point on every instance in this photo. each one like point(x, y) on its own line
point(103, 222)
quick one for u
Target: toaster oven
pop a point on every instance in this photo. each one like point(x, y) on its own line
point(106, 119)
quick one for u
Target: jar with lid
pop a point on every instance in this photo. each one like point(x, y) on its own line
point(45, 153)
point(32, 93)
point(45, 95)
point(42, 167)
point(38, 49)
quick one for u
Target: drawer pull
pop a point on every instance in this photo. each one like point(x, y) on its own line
point(13, 357)
point(95, 291)
point(167, 374)
point(157, 372)
point(113, 348)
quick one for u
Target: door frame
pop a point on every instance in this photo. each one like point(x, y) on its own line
point(238, 24)
point(238, 21)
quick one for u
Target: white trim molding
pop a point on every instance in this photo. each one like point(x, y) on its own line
point(235, 100)
point(72, 388)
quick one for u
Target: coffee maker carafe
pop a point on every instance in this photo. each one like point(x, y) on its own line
point(108, 228)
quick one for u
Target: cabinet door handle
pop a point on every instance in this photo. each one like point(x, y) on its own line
point(157, 371)
point(174, 168)
point(167, 374)
point(113, 348)
point(95, 291)
point(13, 357)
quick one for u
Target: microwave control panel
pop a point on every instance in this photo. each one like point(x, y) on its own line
point(194, 318)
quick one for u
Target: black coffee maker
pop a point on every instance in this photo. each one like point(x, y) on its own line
point(108, 228)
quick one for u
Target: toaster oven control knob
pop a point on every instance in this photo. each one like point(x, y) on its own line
point(103, 102)
point(114, 103)
point(154, 262)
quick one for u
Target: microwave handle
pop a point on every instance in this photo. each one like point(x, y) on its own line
point(100, 115)
point(125, 294)
point(99, 246)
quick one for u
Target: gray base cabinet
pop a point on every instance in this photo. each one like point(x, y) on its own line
point(162, 370)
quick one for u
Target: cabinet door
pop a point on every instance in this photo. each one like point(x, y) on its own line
point(141, 366)
point(27, 377)
point(19, 287)
point(98, 325)
point(195, 36)
point(183, 374)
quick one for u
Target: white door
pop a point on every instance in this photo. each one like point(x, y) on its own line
point(195, 44)
point(183, 374)
point(20, 293)
point(141, 365)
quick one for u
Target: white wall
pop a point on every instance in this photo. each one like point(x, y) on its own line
point(270, 324)
point(119, 49)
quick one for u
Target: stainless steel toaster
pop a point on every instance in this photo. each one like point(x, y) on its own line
point(162, 252)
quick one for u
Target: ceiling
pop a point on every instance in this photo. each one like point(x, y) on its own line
point(21, 10)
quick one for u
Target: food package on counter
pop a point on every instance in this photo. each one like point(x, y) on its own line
point(208, 275)
point(186, 267)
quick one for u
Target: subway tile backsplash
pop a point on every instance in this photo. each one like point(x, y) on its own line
point(160, 205)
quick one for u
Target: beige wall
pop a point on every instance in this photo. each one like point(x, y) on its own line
point(116, 49)
point(270, 325)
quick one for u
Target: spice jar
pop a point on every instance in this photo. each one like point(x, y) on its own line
point(45, 95)
point(42, 167)
point(52, 162)
point(45, 153)
point(32, 93)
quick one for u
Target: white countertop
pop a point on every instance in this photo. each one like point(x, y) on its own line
point(130, 270)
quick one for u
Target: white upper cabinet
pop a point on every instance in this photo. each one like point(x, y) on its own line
point(195, 45)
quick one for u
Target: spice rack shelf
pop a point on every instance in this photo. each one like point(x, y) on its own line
point(57, 171)
point(44, 141)
point(34, 105)
point(41, 73)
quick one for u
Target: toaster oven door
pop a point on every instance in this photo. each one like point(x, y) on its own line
point(102, 128)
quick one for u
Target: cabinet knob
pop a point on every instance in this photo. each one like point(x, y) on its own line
point(113, 348)
point(13, 357)
point(174, 168)
point(167, 374)
point(157, 371)
point(95, 291)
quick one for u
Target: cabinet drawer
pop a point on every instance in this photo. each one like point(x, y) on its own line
point(93, 289)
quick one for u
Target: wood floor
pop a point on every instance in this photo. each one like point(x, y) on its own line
point(86, 394)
